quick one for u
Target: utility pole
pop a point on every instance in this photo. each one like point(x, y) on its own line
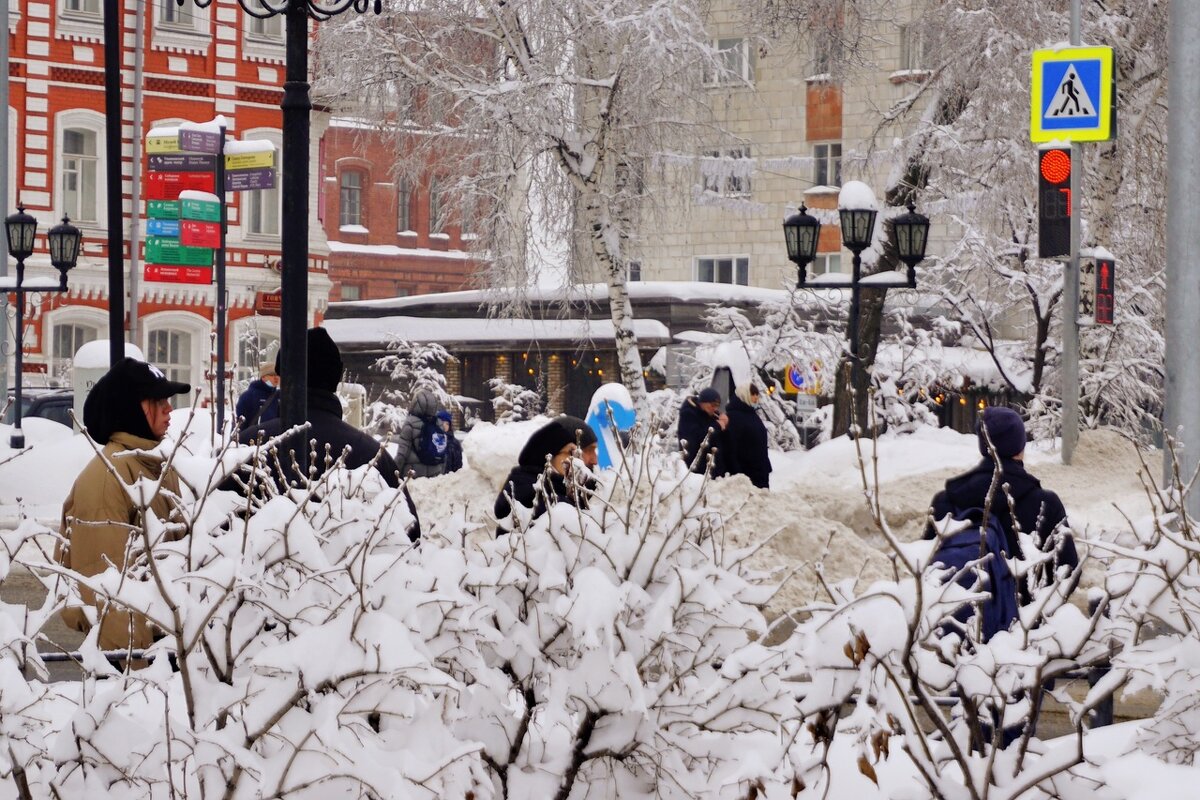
point(1181, 420)
point(5, 144)
point(1070, 316)
point(113, 23)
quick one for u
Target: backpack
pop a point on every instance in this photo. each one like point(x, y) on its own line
point(431, 442)
point(956, 551)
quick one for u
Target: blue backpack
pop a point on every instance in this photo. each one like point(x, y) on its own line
point(959, 549)
point(432, 442)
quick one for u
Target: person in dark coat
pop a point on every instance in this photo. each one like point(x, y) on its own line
point(746, 438)
point(327, 431)
point(542, 475)
point(260, 402)
point(1038, 511)
point(699, 417)
point(454, 453)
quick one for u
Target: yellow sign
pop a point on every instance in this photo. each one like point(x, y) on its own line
point(1072, 95)
point(162, 144)
point(252, 160)
point(797, 380)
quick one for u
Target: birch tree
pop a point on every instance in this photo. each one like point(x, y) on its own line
point(543, 116)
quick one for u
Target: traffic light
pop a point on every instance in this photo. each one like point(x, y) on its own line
point(1054, 202)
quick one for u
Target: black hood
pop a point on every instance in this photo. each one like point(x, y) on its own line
point(547, 440)
point(113, 407)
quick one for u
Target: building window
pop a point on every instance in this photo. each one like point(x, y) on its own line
point(730, 269)
point(89, 7)
point(269, 28)
point(827, 56)
point(350, 212)
point(351, 291)
point(404, 207)
point(826, 263)
point(171, 352)
point(67, 341)
point(733, 63)
point(437, 207)
point(80, 185)
point(635, 270)
point(173, 15)
point(254, 348)
point(262, 206)
point(727, 171)
point(914, 55)
point(827, 164)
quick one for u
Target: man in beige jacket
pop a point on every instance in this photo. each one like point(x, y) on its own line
point(127, 411)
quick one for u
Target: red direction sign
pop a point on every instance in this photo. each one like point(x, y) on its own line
point(168, 185)
point(199, 234)
point(171, 273)
point(1106, 279)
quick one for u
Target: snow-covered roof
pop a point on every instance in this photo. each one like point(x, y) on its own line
point(392, 250)
point(375, 330)
point(681, 291)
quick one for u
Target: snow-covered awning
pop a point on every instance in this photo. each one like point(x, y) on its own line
point(377, 330)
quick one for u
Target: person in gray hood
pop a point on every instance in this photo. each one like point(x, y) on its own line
point(421, 442)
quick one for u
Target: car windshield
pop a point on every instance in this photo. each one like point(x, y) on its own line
point(10, 413)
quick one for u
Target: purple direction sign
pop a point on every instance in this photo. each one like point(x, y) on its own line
point(195, 141)
point(182, 162)
point(240, 180)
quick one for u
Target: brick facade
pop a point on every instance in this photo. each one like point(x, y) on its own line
point(208, 62)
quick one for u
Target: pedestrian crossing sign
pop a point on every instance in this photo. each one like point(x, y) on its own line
point(1072, 95)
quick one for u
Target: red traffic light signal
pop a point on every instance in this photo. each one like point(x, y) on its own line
point(1054, 202)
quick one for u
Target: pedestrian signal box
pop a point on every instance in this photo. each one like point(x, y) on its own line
point(1105, 294)
point(1054, 202)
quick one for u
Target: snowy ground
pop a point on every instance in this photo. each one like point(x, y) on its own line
point(815, 511)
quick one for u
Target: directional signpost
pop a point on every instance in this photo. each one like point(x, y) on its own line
point(187, 220)
point(1072, 100)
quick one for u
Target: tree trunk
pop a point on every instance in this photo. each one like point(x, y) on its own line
point(870, 325)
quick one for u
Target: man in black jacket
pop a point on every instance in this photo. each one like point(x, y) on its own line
point(327, 432)
point(702, 423)
point(1038, 511)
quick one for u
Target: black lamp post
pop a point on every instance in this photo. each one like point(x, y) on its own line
point(858, 211)
point(64, 240)
point(296, 105)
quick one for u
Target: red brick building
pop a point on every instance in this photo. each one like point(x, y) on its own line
point(389, 236)
point(197, 63)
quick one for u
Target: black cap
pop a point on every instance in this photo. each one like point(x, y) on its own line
point(708, 395)
point(146, 381)
point(325, 367)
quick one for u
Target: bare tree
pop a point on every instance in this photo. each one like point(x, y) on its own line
point(541, 116)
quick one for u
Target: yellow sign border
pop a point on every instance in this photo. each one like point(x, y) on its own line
point(1100, 133)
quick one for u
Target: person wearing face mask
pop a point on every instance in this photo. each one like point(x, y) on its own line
point(746, 438)
point(127, 414)
point(543, 474)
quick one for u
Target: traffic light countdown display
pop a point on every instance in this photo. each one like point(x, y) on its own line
point(1054, 202)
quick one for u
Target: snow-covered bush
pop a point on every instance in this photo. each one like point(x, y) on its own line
point(412, 367)
point(513, 402)
point(612, 651)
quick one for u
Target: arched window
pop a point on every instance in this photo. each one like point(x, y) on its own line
point(67, 329)
point(81, 174)
point(177, 342)
point(255, 342)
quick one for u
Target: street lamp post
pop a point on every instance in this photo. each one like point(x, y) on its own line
point(296, 105)
point(64, 253)
point(857, 210)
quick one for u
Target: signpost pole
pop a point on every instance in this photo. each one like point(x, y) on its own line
point(1070, 316)
point(222, 355)
point(1182, 397)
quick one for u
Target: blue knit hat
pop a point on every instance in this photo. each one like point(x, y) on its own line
point(1004, 428)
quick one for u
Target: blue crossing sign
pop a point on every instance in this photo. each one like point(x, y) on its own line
point(1071, 95)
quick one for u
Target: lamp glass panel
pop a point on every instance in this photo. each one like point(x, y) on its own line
point(20, 236)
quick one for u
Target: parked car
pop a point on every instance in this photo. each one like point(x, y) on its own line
point(55, 404)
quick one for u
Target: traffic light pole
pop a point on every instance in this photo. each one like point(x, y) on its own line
point(1070, 317)
point(1182, 382)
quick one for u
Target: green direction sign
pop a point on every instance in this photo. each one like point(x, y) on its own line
point(169, 251)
